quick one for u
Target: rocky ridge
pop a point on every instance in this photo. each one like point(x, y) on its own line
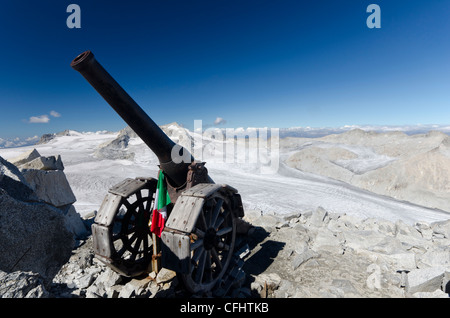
point(411, 168)
point(39, 226)
point(314, 254)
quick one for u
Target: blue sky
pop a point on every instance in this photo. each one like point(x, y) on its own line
point(258, 63)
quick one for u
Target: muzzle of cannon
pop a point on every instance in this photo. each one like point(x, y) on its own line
point(202, 219)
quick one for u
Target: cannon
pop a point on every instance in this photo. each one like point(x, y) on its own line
point(203, 217)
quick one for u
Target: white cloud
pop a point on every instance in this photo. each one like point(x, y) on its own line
point(43, 119)
point(219, 121)
point(30, 139)
point(55, 114)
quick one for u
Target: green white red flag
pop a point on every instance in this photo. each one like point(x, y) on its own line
point(162, 199)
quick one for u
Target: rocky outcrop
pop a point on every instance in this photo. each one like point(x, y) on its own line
point(25, 157)
point(33, 237)
point(45, 139)
point(38, 223)
point(321, 254)
point(115, 149)
point(13, 182)
point(50, 186)
point(22, 285)
point(48, 183)
point(312, 254)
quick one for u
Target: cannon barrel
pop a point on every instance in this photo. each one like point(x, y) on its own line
point(133, 115)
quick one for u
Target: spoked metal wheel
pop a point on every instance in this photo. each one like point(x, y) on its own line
point(211, 244)
point(121, 233)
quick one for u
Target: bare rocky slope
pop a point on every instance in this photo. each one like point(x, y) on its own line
point(411, 168)
point(313, 254)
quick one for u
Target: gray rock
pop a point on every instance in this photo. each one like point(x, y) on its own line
point(303, 257)
point(135, 288)
point(319, 217)
point(41, 163)
point(51, 187)
point(404, 229)
point(424, 229)
point(360, 239)
point(85, 281)
point(425, 279)
point(165, 275)
point(435, 257)
point(271, 280)
point(13, 182)
point(46, 138)
point(345, 285)
point(266, 221)
point(115, 149)
point(22, 285)
point(25, 157)
point(75, 223)
point(446, 282)
point(335, 258)
point(326, 240)
point(33, 237)
point(441, 229)
point(108, 278)
point(285, 290)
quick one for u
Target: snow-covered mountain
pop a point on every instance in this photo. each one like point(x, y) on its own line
point(311, 172)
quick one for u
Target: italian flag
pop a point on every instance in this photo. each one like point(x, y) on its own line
point(162, 199)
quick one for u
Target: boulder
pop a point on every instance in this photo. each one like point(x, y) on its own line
point(400, 261)
point(438, 256)
point(361, 239)
point(441, 229)
point(33, 237)
point(25, 157)
point(75, 224)
point(319, 217)
point(135, 288)
point(425, 279)
point(13, 182)
point(50, 186)
point(44, 163)
point(22, 285)
point(328, 241)
point(270, 281)
point(165, 275)
point(45, 177)
point(108, 278)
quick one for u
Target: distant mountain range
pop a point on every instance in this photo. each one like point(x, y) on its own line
point(307, 132)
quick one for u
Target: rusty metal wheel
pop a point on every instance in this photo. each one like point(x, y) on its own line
point(212, 244)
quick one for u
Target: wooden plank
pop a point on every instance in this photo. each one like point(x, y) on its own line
point(108, 209)
point(127, 187)
point(102, 241)
point(185, 213)
point(202, 190)
point(175, 252)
